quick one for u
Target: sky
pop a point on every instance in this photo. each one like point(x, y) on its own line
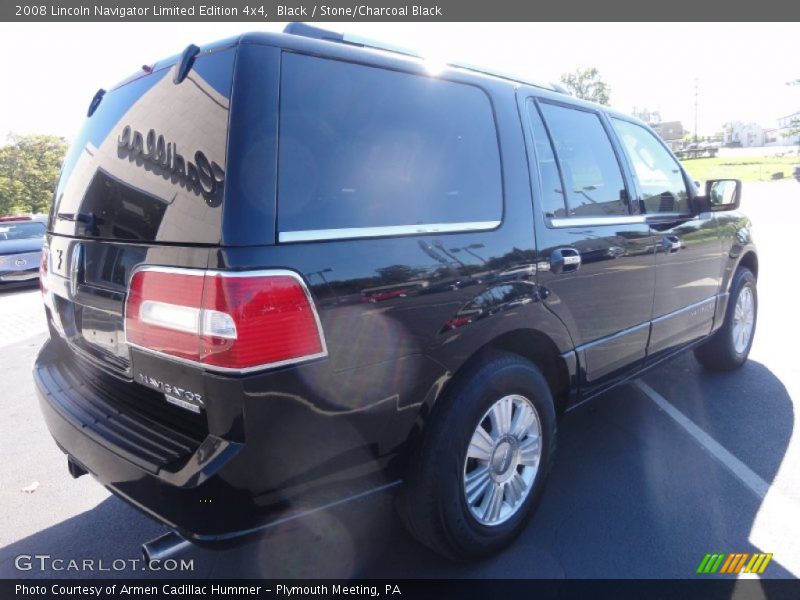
point(51, 70)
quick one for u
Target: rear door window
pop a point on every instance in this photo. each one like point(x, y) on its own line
point(363, 147)
point(554, 203)
point(588, 164)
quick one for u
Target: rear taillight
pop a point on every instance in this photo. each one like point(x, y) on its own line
point(226, 320)
point(43, 259)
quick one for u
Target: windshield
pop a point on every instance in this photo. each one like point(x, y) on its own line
point(21, 231)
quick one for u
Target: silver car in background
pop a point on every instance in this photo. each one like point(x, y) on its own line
point(21, 241)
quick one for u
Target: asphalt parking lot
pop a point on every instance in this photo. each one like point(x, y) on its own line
point(647, 480)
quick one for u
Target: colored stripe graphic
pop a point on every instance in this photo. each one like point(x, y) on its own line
point(733, 563)
point(710, 563)
point(758, 563)
point(727, 566)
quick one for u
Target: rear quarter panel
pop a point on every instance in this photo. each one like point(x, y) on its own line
point(390, 352)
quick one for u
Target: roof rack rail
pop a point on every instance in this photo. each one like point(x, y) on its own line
point(553, 87)
point(318, 33)
point(561, 89)
point(309, 31)
point(301, 29)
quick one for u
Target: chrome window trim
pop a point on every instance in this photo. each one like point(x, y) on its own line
point(669, 216)
point(253, 273)
point(598, 221)
point(317, 235)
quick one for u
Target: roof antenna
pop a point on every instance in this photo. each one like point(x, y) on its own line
point(187, 59)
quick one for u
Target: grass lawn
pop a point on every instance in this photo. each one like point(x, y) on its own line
point(746, 168)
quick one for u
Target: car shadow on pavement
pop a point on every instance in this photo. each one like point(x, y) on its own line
point(631, 495)
point(106, 532)
point(13, 289)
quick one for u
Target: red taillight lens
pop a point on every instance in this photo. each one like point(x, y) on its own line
point(224, 320)
point(163, 310)
point(43, 260)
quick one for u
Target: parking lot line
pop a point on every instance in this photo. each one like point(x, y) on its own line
point(775, 526)
point(744, 473)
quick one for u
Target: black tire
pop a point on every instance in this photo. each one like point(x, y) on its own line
point(432, 503)
point(719, 352)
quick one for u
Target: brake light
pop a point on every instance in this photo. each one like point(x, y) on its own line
point(226, 320)
point(43, 259)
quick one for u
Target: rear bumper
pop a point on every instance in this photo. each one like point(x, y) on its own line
point(209, 493)
point(19, 276)
point(160, 480)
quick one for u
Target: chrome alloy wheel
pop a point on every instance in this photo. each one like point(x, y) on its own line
point(744, 316)
point(502, 460)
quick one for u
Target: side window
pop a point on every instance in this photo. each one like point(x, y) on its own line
point(553, 202)
point(366, 147)
point(657, 172)
point(590, 170)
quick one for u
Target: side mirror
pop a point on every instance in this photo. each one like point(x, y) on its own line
point(721, 195)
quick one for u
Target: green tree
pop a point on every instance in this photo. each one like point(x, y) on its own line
point(588, 85)
point(29, 167)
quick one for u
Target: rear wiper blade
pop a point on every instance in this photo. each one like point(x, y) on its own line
point(78, 217)
point(98, 97)
point(187, 59)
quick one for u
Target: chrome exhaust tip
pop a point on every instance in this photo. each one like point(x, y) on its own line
point(163, 547)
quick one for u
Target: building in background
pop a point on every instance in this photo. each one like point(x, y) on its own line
point(671, 132)
point(742, 135)
point(785, 126)
point(651, 117)
point(772, 137)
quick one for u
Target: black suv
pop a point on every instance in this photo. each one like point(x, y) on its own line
point(286, 270)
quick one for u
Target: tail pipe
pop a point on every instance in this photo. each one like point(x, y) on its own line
point(75, 469)
point(163, 547)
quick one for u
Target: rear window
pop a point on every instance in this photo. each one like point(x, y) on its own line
point(363, 147)
point(149, 164)
point(21, 231)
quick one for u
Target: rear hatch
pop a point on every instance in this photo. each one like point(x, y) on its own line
point(143, 182)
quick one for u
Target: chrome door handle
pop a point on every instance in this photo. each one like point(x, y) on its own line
point(565, 260)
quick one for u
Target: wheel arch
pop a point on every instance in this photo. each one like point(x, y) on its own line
point(558, 368)
point(539, 349)
point(750, 260)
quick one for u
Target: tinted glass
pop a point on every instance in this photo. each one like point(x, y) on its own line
point(367, 147)
point(591, 173)
point(657, 172)
point(150, 163)
point(553, 203)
